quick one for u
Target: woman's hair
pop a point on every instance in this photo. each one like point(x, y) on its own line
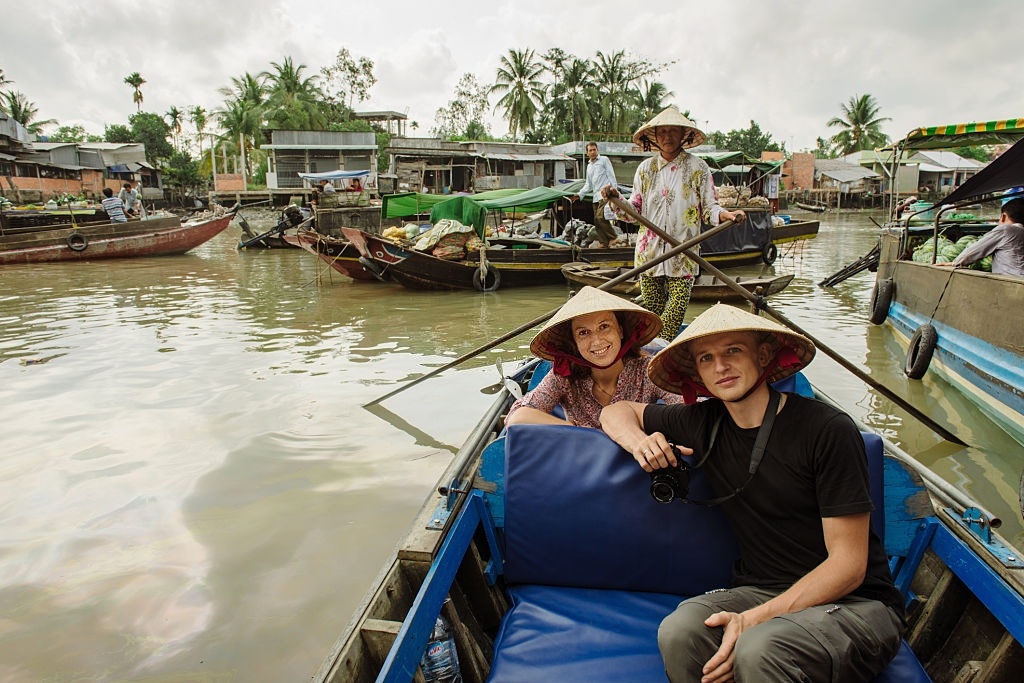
point(626, 322)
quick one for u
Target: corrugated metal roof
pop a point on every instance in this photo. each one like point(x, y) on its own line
point(849, 175)
point(521, 157)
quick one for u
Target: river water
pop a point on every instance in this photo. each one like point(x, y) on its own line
point(191, 491)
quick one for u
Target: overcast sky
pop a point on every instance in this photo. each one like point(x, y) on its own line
point(786, 65)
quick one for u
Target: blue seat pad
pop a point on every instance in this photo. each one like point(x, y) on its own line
point(581, 634)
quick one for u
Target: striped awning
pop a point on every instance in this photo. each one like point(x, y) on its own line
point(974, 133)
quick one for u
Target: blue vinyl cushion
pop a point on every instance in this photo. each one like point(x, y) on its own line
point(594, 564)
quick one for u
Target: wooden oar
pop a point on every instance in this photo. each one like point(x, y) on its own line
point(672, 253)
point(760, 303)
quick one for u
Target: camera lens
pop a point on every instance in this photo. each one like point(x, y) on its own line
point(663, 491)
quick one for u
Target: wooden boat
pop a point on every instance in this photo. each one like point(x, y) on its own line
point(961, 324)
point(546, 573)
point(151, 237)
point(706, 288)
point(13, 221)
point(811, 206)
point(337, 253)
point(511, 262)
point(755, 240)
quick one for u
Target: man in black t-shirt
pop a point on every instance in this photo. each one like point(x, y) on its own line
point(812, 597)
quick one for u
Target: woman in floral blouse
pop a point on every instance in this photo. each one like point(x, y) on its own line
point(675, 191)
point(595, 345)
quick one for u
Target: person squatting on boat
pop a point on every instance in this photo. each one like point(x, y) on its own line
point(812, 597)
point(600, 174)
point(113, 206)
point(1004, 243)
point(595, 343)
point(675, 191)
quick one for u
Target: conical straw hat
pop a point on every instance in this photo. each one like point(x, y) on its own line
point(670, 116)
point(556, 335)
point(674, 369)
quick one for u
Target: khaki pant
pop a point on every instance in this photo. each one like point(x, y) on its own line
point(605, 232)
point(845, 642)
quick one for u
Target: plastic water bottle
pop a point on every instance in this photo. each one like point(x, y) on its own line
point(440, 663)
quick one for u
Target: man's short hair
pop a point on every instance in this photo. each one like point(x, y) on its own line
point(591, 144)
point(107, 192)
point(127, 186)
point(1014, 209)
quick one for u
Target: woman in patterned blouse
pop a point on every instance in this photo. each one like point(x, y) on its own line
point(675, 191)
point(595, 345)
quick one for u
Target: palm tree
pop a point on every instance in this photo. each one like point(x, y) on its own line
point(19, 108)
point(242, 114)
point(197, 115)
point(3, 79)
point(293, 100)
point(652, 99)
point(519, 79)
point(572, 95)
point(860, 126)
point(174, 117)
point(136, 82)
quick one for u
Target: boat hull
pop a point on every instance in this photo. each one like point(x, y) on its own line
point(976, 315)
point(340, 255)
point(157, 237)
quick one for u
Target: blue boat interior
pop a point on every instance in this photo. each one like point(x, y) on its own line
point(591, 564)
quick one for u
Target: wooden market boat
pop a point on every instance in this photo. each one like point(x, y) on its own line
point(706, 288)
point(510, 262)
point(816, 207)
point(755, 240)
point(961, 324)
point(551, 562)
point(340, 254)
point(149, 237)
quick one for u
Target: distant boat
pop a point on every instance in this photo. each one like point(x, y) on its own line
point(812, 206)
point(151, 237)
point(706, 288)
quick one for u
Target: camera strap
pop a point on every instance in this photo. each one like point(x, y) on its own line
point(763, 432)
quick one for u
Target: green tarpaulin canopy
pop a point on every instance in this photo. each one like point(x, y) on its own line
point(414, 203)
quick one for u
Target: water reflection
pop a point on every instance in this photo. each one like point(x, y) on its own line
point(192, 491)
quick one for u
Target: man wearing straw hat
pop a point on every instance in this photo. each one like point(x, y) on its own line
point(673, 189)
point(812, 597)
point(595, 343)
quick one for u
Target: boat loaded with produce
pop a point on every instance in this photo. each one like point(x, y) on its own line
point(962, 324)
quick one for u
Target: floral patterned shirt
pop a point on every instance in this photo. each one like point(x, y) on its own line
point(576, 396)
point(674, 195)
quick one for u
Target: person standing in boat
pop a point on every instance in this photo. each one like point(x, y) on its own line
point(113, 206)
point(675, 191)
point(1004, 243)
point(812, 598)
point(600, 174)
point(595, 343)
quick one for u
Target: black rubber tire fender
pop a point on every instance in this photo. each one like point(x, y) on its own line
point(919, 353)
point(77, 241)
point(480, 280)
point(769, 253)
point(881, 297)
point(373, 268)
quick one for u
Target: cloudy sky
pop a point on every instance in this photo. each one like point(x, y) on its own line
point(786, 65)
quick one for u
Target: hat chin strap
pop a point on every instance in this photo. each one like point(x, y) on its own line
point(562, 362)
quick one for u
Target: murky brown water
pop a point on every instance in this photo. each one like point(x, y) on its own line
point(190, 490)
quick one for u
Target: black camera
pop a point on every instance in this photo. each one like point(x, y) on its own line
point(670, 483)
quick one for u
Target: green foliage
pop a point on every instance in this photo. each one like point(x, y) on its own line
point(182, 175)
point(347, 79)
point(518, 82)
point(152, 131)
point(23, 110)
point(293, 99)
point(463, 116)
point(978, 153)
point(751, 141)
point(117, 133)
point(135, 82)
point(75, 133)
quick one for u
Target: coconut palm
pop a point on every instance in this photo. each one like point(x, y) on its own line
point(573, 95)
point(518, 78)
point(197, 115)
point(293, 99)
point(652, 99)
point(136, 82)
point(19, 108)
point(860, 126)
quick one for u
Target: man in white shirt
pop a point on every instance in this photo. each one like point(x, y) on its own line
point(599, 175)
